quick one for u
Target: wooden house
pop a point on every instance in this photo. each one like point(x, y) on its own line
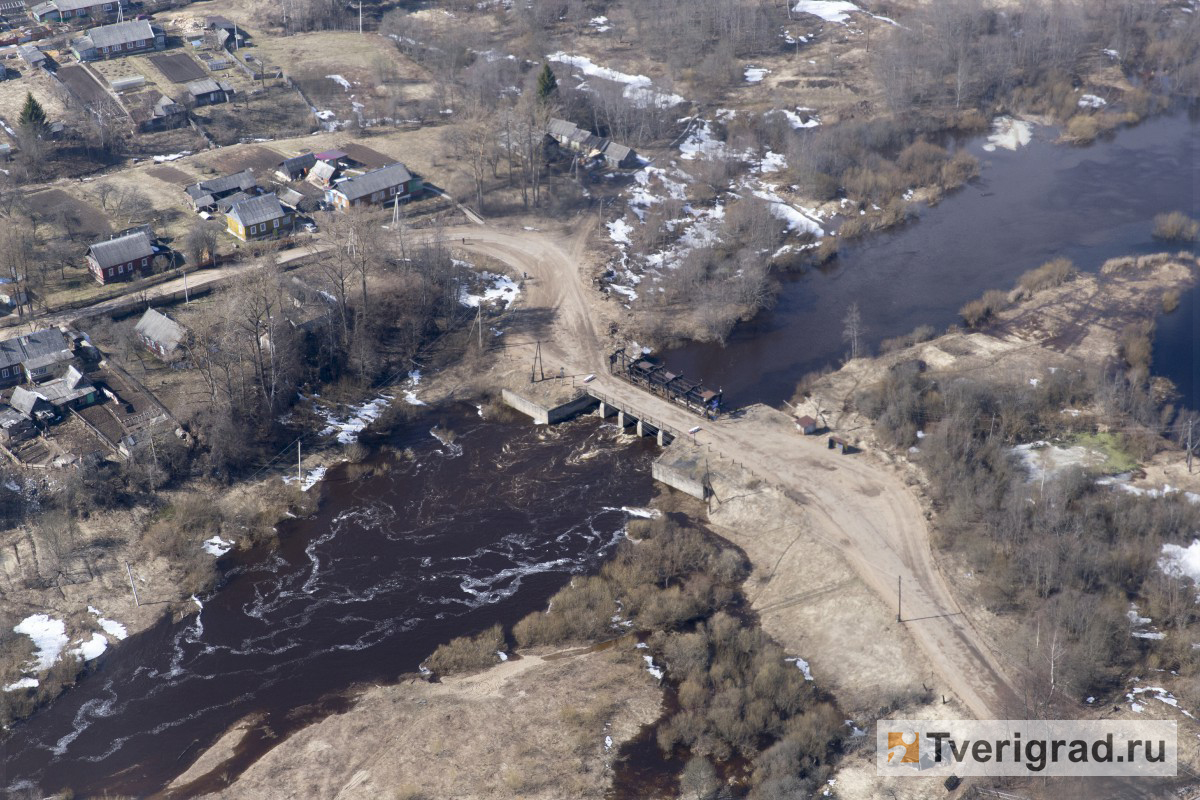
point(118, 39)
point(117, 259)
point(208, 92)
point(389, 184)
point(69, 10)
point(205, 195)
point(160, 334)
point(258, 218)
point(297, 167)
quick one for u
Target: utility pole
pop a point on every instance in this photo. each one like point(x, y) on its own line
point(479, 323)
point(538, 371)
point(898, 590)
point(129, 572)
point(1191, 427)
point(360, 17)
point(298, 468)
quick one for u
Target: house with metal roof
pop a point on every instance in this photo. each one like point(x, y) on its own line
point(33, 356)
point(117, 259)
point(258, 218)
point(208, 92)
point(32, 55)
point(68, 10)
point(296, 167)
point(14, 426)
point(160, 334)
point(53, 398)
point(204, 195)
point(118, 39)
point(389, 184)
point(324, 173)
point(571, 137)
point(155, 111)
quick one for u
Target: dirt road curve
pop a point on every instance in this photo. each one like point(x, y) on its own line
point(857, 504)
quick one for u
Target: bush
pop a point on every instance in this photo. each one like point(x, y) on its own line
point(977, 312)
point(1048, 276)
point(1083, 128)
point(467, 653)
point(1176, 226)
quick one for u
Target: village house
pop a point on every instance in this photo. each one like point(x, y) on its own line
point(258, 218)
point(14, 426)
point(571, 137)
point(121, 38)
point(226, 32)
point(204, 195)
point(389, 184)
point(32, 55)
point(117, 259)
point(157, 112)
point(54, 398)
point(296, 167)
point(324, 173)
point(33, 356)
point(160, 334)
point(208, 92)
point(68, 10)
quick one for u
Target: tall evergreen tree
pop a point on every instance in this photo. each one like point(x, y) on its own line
point(33, 116)
point(547, 84)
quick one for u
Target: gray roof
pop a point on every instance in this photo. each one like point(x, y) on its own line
point(297, 163)
point(71, 386)
point(323, 170)
point(263, 208)
point(24, 400)
point(229, 201)
point(203, 86)
point(122, 249)
point(50, 341)
point(374, 181)
point(239, 181)
point(10, 417)
point(121, 33)
point(31, 53)
point(616, 153)
point(560, 127)
point(160, 329)
point(11, 352)
point(74, 5)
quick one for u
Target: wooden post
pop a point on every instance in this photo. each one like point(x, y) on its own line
point(129, 572)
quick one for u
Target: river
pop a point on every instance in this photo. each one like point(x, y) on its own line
point(439, 545)
point(389, 567)
point(1028, 206)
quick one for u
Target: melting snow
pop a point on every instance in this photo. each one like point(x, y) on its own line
point(338, 79)
point(796, 220)
point(349, 428)
point(619, 230)
point(600, 24)
point(638, 88)
point(172, 157)
point(503, 289)
point(828, 10)
point(311, 478)
point(23, 683)
point(772, 162)
point(756, 74)
point(49, 636)
point(1008, 133)
point(653, 670)
point(216, 546)
point(1181, 562)
point(109, 626)
point(1092, 101)
point(803, 666)
point(92, 648)
point(414, 380)
point(797, 121)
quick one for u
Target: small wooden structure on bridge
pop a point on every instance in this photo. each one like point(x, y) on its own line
point(657, 379)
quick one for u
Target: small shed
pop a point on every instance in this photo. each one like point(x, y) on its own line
point(806, 425)
point(296, 167)
point(14, 426)
point(841, 445)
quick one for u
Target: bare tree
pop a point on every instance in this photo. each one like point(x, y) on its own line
point(853, 329)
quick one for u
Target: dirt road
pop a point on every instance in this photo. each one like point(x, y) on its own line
point(856, 503)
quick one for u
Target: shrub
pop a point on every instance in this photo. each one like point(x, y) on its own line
point(977, 312)
point(1083, 128)
point(1176, 226)
point(1047, 276)
point(467, 653)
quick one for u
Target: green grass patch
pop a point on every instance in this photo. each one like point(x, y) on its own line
point(1117, 458)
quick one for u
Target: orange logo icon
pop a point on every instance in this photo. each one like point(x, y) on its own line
point(902, 751)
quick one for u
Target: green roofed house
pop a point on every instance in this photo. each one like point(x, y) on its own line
point(258, 218)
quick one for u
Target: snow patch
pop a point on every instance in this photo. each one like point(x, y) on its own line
point(1008, 133)
point(216, 546)
point(338, 79)
point(756, 74)
point(109, 626)
point(49, 636)
point(349, 428)
point(657, 672)
point(502, 289)
point(829, 10)
point(310, 479)
point(803, 666)
point(1092, 101)
point(92, 648)
point(638, 88)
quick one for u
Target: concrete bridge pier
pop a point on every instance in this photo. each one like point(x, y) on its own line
point(662, 438)
point(640, 428)
point(621, 419)
point(602, 410)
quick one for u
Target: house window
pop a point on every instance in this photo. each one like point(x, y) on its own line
point(143, 262)
point(108, 6)
point(253, 229)
point(120, 269)
point(276, 223)
point(4, 372)
point(392, 190)
point(110, 272)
